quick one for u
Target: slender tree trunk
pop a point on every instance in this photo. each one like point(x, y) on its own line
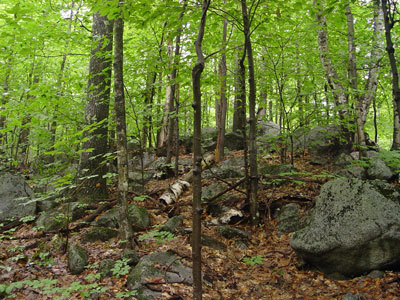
point(96, 112)
point(197, 210)
point(239, 115)
point(23, 140)
point(389, 22)
point(53, 127)
point(364, 100)
point(4, 100)
point(339, 92)
point(262, 108)
point(171, 100)
point(219, 152)
point(163, 134)
point(120, 124)
point(252, 118)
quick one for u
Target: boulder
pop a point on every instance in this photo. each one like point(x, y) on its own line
point(77, 259)
point(157, 265)
point(354, 228)
point(52, 220)
point(323, 143)
point(343, 160)
point(268, 128)
point(131, 256)
point(230, 168)
point(352, 172)
point(172, 224)
point(233, 141)
point(57, 218)
point(139, 217)
point(268, 134)
point(229, 232)
point(106, 266)
point(14, 197)
point(379, 170)
point(99, 234)
point(267, 169)
point(289, 219)
point(211, 191)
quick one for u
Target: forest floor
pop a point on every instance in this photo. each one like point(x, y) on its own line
point(273, 275)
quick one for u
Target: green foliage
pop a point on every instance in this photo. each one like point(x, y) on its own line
point(49, 287)
point(140, 198)
point(391, 159)
point(121, 267)
point(160, 236)
point(254, 260)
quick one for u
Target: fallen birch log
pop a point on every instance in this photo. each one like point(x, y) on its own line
point(180, 185)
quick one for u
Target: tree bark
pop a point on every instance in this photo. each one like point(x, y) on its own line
point(171, 99)
point(197, 210)
point(222, 105)
point(389, 24)
point(252, 118)
point(339, 92)
point(364, 100)
point(239, 115)
point(96, 112)
point(120, 126)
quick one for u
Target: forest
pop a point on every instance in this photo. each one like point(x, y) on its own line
point(199, 149)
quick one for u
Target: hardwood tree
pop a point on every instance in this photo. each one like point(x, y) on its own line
point(197, 157)
point(222, 103)
point(120, 126)
point(390, 10)
point(92, 165)
point(247, 16)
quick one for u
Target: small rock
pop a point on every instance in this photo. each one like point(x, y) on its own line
point(375, 274)
point(77, 259)
point(231, 232)
point(172, 224)
point(350, 296)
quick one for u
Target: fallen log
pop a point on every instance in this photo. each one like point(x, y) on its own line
point(172, 194)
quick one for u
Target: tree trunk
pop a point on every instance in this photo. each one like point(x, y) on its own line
point(53, 127)
point(252, 118)
point(23, 140)
point(171, 99)
point(389, 23)
point(339, 92)
point(239, 114)
point(219, 152)
point(120, 126)
point(364, 100)
point(197, 210)
point(4, 100)
point(96, 112)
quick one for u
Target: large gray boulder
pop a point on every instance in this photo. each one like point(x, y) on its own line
point(14, 197)
point(354, 228)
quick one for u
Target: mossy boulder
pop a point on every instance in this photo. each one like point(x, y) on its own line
point(77, 259)
point(106, 266)
point(99, 234)
point(158, 265)
point(138, 216)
